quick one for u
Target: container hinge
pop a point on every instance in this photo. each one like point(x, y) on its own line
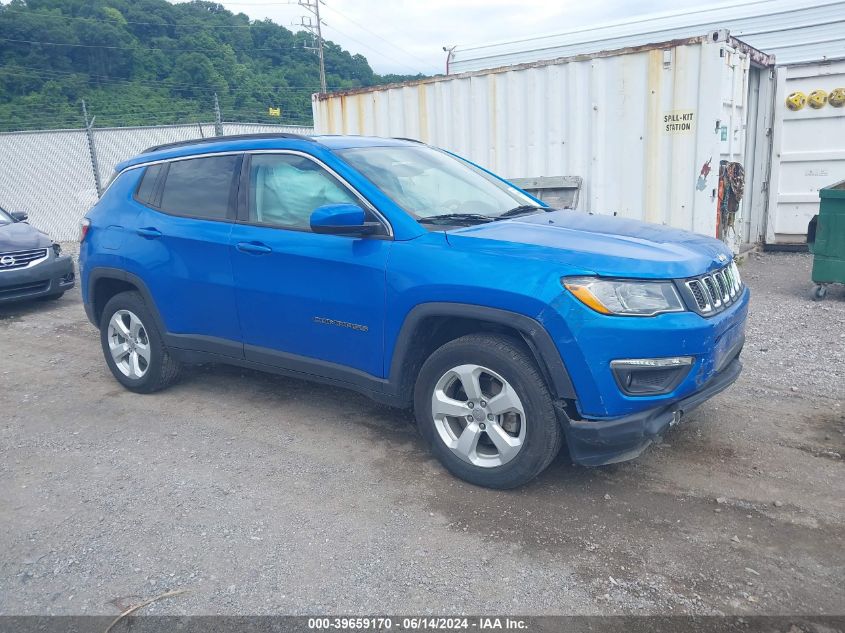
point(718, 126)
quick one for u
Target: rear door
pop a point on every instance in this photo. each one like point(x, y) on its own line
point(184, 231)
point(307, 301)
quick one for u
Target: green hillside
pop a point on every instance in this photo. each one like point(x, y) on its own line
point(146, 62)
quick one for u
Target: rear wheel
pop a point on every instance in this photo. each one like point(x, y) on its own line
point(133, 347)
point(484, 408)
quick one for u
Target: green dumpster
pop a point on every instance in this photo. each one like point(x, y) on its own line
point(826, 239)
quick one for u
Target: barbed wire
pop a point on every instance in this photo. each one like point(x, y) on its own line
point(123, 118)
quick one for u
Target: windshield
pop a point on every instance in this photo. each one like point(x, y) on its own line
point(427, 182)
point(5, 218)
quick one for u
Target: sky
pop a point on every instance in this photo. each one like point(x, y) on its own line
point(407, 37)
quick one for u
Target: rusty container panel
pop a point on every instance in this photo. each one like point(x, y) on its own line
point(641, 127)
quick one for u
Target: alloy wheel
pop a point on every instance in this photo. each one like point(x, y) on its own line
point(478, 415)
point(129, 344)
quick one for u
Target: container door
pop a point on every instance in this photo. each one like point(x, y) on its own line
point(758, 153)
point(733, 139)
point(808, 151)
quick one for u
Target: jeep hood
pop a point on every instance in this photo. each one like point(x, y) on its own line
point(598, 244)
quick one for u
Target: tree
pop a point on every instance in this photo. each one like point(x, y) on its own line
point(140, 62)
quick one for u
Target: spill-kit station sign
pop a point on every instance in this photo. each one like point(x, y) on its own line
point(679, 121)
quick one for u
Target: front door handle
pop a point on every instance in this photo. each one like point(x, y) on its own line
point(149, 233)
point(254, 248)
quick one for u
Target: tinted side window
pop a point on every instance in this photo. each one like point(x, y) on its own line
point(199, 187)
point(146, 190)
point(284, 190)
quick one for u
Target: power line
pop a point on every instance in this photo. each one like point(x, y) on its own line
point(180, 50)
point(255, 24)
point(164, 84)
point(35, 13)
point(135, 48)
point(372, 48)
point(371, 32)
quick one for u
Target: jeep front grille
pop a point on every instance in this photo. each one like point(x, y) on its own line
point(714, 295)
point(710, 294)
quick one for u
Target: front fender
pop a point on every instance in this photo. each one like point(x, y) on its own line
point(535, 336)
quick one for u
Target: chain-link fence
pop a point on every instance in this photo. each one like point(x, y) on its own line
point(51, 174)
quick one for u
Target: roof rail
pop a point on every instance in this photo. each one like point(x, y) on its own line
point(231, 137)
point(410, 140)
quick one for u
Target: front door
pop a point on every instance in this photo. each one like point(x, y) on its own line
point(307, 301)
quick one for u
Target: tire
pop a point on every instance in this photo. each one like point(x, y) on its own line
point(495, 359)
point(820, 293)
point(142, 353)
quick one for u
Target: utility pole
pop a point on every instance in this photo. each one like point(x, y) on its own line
point(92, 148)
point(218, 119)
point(315, 27)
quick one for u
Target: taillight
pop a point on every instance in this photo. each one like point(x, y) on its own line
point(84, 225)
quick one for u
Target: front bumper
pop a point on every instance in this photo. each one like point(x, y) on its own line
point(599, 442)
point(50, 277)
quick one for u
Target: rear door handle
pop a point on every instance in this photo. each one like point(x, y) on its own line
point(254, 248)
point(149, 233)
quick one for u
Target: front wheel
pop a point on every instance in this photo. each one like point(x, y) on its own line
point(486, 412)
point(133, 347)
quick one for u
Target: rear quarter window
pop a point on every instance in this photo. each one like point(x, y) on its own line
point(147, 186)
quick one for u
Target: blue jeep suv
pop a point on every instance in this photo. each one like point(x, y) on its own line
point(418, 278)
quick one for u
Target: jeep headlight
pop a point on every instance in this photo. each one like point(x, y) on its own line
point(625, 297)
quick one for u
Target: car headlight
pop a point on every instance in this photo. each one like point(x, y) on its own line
point(625, 297)
point(57, 248)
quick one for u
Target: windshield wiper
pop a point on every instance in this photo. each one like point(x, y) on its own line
point(523, 210)
point(456, 218)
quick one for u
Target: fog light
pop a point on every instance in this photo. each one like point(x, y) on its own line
point(650, 376)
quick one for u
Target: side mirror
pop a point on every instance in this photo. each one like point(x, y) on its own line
point(19, 216)
point(342, 219)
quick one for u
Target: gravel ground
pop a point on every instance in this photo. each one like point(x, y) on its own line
point(262, 495)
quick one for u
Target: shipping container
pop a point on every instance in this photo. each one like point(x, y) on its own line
point(807, 39)
point(809, 147)
point(643, 129)
point(794, 31)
